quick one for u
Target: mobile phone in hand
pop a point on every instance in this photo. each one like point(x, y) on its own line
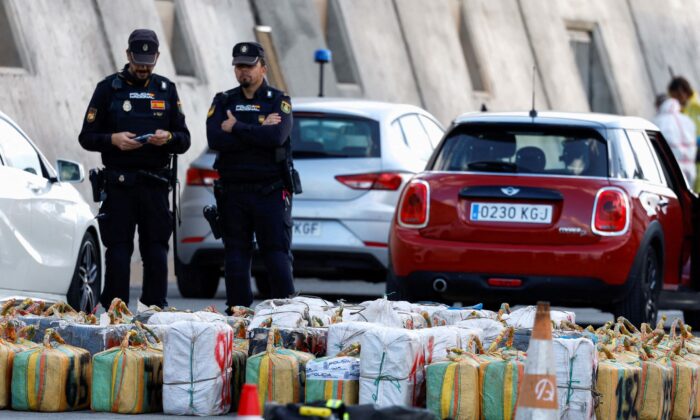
point(143, 138)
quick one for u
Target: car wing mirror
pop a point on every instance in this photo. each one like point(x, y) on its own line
point(69, 171)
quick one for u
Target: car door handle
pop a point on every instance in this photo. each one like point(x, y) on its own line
point(663, 202)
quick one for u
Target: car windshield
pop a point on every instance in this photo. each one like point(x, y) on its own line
point(333, 136)
point(526, 149)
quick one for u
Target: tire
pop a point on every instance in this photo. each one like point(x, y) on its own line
point(262, 282)
point(394, 290)
point(641, 304)
point(198, 282)
point(86, 285)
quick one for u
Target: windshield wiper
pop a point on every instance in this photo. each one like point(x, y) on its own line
point(492, 165)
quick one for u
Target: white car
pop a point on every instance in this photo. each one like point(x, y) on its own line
point(354, 156)
point(50, 245)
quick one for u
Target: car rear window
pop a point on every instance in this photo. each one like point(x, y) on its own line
point(527, 149)
point(334, 136)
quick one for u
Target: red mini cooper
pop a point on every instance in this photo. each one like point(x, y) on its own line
point(579, 209)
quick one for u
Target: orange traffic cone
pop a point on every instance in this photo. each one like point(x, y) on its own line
point(537, 398)
point(249, 405)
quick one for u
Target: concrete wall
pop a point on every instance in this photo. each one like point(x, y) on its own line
point(400, 50)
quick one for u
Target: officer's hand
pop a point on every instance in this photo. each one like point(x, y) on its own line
point(272, 119)
point(123, 141)
point(159, 138)
point(228, 123)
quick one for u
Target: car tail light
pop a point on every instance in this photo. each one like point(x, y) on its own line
point(611, 213)
point(203, 177)
point(499, 282)
point(390, 181)
point(415, 205)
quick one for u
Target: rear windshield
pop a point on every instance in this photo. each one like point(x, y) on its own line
point(333, 136)
point(535, 150)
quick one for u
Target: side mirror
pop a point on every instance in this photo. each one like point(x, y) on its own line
point(69, 171)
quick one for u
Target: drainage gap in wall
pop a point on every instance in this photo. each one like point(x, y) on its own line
point(177, 38)
point(10, 58)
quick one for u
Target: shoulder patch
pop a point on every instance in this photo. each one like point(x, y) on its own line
point(91, 115)
point(286, 107)
point(211, 111)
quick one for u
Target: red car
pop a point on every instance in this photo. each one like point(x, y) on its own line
point(578, 209)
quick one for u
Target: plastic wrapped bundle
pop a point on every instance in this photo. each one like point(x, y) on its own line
point(197, 368)
point(576, 361)
point(455, 315)
point(93, 338)
point(279, 373)
point(128, 379)
point(428, 309)
point(52, 377)
point(391, 367)
point(11, 343)
point(453, 387)
point(280, 313)
point(500, 377)
point(490, 328)
point(685, 383)
point(308, 340)
point(344, 334)
point(618, 384)
point(40, 324)
point(437, 340)
point(412, 320)
point(167, 317)
point(239, 357)
point(334, 378)
point(525, 317)
point(240, 333)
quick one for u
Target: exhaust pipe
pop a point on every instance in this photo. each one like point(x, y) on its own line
point(439, 285)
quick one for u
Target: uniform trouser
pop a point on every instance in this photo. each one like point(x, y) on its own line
point(144, 205)
point(269, 217)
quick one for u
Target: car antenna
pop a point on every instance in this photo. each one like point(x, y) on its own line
point(533, 111)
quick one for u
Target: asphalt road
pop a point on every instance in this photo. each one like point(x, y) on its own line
point(351, 291)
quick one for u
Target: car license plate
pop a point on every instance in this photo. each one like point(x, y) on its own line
point(517, 213)
point(307, 228)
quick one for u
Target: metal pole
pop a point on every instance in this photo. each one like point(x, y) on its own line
point(320, 81)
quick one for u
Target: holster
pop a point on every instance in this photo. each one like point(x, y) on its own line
point(98, 182)
point(211, 213)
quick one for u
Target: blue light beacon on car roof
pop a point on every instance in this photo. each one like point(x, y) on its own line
point(322, 57)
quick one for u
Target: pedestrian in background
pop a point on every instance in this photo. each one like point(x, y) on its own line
point(135, 120)
point(679, 131)
point(249, 126)
point(679, 88)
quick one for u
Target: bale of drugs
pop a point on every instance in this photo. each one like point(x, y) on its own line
point(52, 377)
point(11, 343)
point(334, 378)
point(308, 340)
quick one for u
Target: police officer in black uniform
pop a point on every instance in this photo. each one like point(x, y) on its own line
point(249, 126)
point(135, 120)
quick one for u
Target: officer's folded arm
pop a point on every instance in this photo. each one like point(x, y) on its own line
point(267, 136)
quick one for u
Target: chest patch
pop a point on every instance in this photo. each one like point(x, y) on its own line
point(141, 95)
point(248, 108)
point(158, 105)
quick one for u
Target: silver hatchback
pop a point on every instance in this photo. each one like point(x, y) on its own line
point(354, 156)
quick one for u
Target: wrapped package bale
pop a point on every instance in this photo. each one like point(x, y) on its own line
point(685, 383)
point(525, 317)
point(391, 367)
point(11, 343)
point(428, 308)
point(276, 313)
point(167, 318)
point(307, 340)
point(334, 378)
point(40, 324)
point(239, 356)
point(500, 375)
point(490, 328)
point(349, 313)
point(197, 368)
point(618, 384)
point(128, 379)
point(576, 364)
point(453, 387)
point(51, 377)
point(437, 340)
point(342, 335)
point(279, 373)
point(240, 333)
point(452, 316)
point(93, 338)
point(384, 312)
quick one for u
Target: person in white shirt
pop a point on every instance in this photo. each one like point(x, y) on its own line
point(679, 131)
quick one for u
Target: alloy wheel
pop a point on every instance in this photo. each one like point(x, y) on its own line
point(88, 272)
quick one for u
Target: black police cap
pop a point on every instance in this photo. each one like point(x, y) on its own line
point(247, 53)
point(143, 44)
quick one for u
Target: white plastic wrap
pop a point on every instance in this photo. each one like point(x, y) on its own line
point(166, 318)
point(197, 363)
point(437, 340)
point(525, 317)
point(382, 312)
point(428, 308)
point(344, 334)
point(490, 329)
point(577, 361)
point(412, 320)
point(453, 316)
point(283, 312)
point(391, 367)
point(345, 368)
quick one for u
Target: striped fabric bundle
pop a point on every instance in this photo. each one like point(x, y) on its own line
point(52, 377)
point(685, 383)
point(10, 344)
point(279, 373)
point(453, 388)
point(333, 378)
point(656, 384)
point(128, 379)
point(619, 385)
point(197, 368)
point(239, 358)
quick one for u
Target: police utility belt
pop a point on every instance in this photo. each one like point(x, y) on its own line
point(101, 178)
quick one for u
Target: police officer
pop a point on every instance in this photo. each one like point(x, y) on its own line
point(249, 126)
point(135, 120)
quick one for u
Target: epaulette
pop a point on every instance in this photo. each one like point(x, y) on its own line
point(222, 97)
point(117, 83)
point(161, 82)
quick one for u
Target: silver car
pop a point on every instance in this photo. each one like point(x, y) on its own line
point(354, 156)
